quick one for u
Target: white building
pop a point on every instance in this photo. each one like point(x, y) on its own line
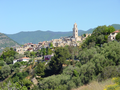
point(25, 59)
point(112, 35)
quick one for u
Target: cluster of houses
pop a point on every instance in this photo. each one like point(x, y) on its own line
point(74, 40)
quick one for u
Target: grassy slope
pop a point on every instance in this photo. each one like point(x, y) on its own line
point(94, 85)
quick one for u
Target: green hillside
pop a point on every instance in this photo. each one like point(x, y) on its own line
point(6, 42)
point(37, 36)
point(116, 26)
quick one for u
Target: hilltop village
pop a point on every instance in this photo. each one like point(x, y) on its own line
point(74, 40)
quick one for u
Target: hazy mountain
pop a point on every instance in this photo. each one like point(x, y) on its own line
point(37, 36)
point(6, 42)
point(116, 26)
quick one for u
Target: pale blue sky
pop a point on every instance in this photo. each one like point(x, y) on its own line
point(56, 15)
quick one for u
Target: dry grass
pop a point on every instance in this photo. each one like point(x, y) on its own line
point(95, 85)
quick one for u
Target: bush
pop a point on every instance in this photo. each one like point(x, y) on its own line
point(5, 71)
point(54, 82)
point(115, 86)
point(70, 70)
point(118, 37)
point(2, 63)
point(87, 72)
point(109, 72)
point(17, 70)
point(17, 64)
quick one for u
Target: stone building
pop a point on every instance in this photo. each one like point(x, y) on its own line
point(75, 31)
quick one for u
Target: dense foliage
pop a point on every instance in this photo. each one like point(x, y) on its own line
point(98, 37)
point(61, 54)
point(118, 37)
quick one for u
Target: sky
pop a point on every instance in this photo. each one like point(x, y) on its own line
point(56, 15)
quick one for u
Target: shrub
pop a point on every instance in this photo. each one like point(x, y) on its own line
point(54, 82)
point(118, 37)
point(70, 70)
point(2, 63)
point(109, 72)
point(115, 86)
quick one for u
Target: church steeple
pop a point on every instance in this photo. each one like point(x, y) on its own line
point(75, 31)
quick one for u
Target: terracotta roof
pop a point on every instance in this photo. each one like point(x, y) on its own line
point(30, 48)
point(117, 31)
point(25, 58)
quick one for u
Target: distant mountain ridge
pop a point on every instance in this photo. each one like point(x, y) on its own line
point(6, 42)
point(37, 36)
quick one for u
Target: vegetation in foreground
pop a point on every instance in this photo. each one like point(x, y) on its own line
point(94, 85)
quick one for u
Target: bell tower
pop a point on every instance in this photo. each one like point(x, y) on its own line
point(75, 31)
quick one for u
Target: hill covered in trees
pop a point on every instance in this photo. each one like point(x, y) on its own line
point(6, 42)
point(37, 36)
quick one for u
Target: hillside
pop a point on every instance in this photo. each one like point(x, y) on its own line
point(116, 26)
point(37, 36)
point(6, 42)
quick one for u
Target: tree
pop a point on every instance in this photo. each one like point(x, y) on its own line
point(51, 45)
point(17, 64)
point(17, 56)
point(43, 52)
point(5, 71)
point(110, 29)
point(17, 70)
point(48, 51)
point(2, 63)
point(27, 83)
point(87, 72)
point(98, 37)
point(27, 54)
point(118, 37)
point(86, 55)
point(40, 69)
point(9, 60)
point(58, 60)
point(84, 35)
point(33, 54)
point(8, 52)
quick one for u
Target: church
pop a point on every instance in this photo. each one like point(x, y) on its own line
point(71, 40)
point(75, 33)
